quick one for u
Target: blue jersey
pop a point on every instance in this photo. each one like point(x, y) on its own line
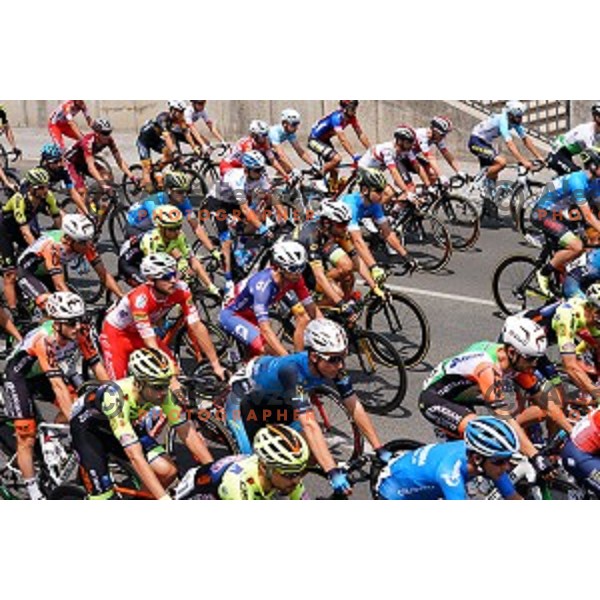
point(326, 128)
point(581, 273)
point(569, 191)
point(495, 126)
point(360, 211)
point(278, 135)
point(432, 472)
point(275, 375)
point(140, 213)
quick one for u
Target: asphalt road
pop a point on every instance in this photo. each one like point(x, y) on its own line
point(459, 306)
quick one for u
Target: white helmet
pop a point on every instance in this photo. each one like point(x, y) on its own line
point(525, 336)
point(290, 256)
point(516, 108)
point(78, 228)
point(336, 211)
point(64, 306)
point(592, 295)
point(258, 127)
point(324, 335)
point(176, 104)
point(291, 116)
point(155, 266)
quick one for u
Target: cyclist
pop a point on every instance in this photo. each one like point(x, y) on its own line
point(332, 257)
point(257, 141)
point(61, 122)
point(581, 273)
point(367, 202)
point(559, 211)
point(432, 137)
point(51, 159)
point(333, 125)
point(160, 134)
point(274, 470)
point(121, 419)
point(401, 158)
point(581, 453)
point(131, 323)
point(286, 132)
point(246, 315)
point(19, 227)
point(6, 129)
point(441, 471)
point(237, 195)
point(500, 125)
point(41, 267)
point(193, 113)
point(482, 370)
point(44, 364)
point(79, 158)
point(277, 389)
point(177, 186)
point(569, 145)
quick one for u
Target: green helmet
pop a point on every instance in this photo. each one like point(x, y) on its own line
point(37, 177)
point(176, 180)
point(373, 179)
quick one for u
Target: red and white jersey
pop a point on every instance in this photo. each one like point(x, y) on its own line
point(424, 144)
point(384, 156)
point(586, 433)
point(67, 110)
point(141, 309)
point(234, 158)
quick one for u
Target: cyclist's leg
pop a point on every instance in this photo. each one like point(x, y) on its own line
point(235, 422)
point(78, 181)
point(444, 413)
point(328, 154)
point(158, 459)
point(116, 348)
point(583, 466)
point(56, 135)
point(486, 155)
point(243, 330)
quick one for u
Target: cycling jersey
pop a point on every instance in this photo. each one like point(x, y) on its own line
point(59, 175)
point(579, 138)
point(19, 209)
point(360, 210)
point(581, 273)
point(497, 125)
point(569, 321)
point(385, 156)
point(236, 188)
point(139, 214)
point(233, 159)
point(66, 111)
point(152, 242)
point(432, 472)
point(476, 372)
point(88, 146)
point(324, 129)
point(163, 123)
point(191, 116)
point(278, 135)
point(586, 433)
point(255, 295)
point(230, 478)
point(424, 143)
point(564, 195)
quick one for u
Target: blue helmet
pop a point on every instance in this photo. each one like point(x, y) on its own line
point(51, 152)
point(253, 160)
point(491, 437)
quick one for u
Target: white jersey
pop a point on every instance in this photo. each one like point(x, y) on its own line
point(191, 116)
point(236, 188)
point(383, 156)
point(578, 139)
point(425, 143)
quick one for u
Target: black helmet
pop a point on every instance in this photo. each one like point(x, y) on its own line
point(102, 126)
point(590, 156)
point(348, 103)
point(596, 109)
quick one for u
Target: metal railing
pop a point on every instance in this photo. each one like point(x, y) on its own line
point(544, 119)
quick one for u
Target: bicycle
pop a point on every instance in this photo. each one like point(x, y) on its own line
point(5, 156)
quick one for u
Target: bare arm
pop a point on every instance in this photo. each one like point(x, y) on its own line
point(271, 339)
point(108, 281)
point(316, 441)
point(136, 456)
point(194, 443)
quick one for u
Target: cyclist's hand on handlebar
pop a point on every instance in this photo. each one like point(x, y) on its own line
point(356, 158)
point(338, 479)
point(17, 153)
point(527, 164)
point(542, 465)
point(348, 309)
point(378, 274)
point(380, 293)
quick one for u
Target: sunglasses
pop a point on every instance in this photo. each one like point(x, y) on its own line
point(290, 476)
point(158, 387)
point(168, 276)
point(333, 360)
point(72, 322)
point(498, 462)
point(293, 270)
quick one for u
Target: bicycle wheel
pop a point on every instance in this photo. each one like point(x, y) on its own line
point(67, 492)
point(515, 285)
point(185, 350)
point(460, 217)
point(132, 191)
point(397, 448)
point(404, 323)
point(376, 370)
point(6, 192)
point(117, 226)
point(427, 240)
point(3, 158)
point(198, 189)
point(525, 201)
point(85, 281)
point(217, 437)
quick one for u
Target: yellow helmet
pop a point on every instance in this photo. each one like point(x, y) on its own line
point(168, 216)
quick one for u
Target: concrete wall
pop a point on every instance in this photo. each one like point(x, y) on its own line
point(379, 117)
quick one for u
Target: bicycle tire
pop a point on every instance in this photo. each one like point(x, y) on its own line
point(198, 189)
point(87, 285)
point(117, 224)
point(461, 219)
point(525, 203)
point(426, 238)
point(3, 158)
point(376, 370)
point(6, 192)
point(397, 448)
point(184, 351)
point(67, 491)
point(132, 191)
point(394, 318)
point(514, 285)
